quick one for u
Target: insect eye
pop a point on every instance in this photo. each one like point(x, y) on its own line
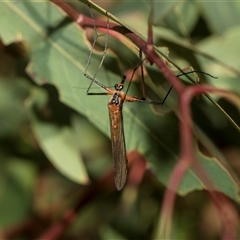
point(118, 87)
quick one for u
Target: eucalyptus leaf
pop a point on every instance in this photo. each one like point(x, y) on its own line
point(58, 56)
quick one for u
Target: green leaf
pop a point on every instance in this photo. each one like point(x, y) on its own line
point(17, 180)
point(109, 233)
point(221, 16)
point(59, 57)
point(180, 17)
point(220, 176)
point(12, 113)
point(224, 48)
point(59, 144)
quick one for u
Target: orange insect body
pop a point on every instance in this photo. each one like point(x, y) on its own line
point(117, 137)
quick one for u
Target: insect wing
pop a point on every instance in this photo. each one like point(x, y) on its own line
point(118, 145)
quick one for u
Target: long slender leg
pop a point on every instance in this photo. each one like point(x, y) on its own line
point(142, 76)
point(93, 46)
point(143, 99)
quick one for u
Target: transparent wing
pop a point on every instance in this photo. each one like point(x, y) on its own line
point(118, 145)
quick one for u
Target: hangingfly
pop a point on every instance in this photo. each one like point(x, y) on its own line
point(117, 136)
point(115, 107)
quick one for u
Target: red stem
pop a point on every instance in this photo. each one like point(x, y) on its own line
point(148, 49)
point(185, 94)
point(224, 207)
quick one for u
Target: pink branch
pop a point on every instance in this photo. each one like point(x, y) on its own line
point(187, 159)
point(148, 49)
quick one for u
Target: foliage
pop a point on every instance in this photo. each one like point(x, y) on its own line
point(46, 115)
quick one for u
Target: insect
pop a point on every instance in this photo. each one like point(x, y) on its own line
point(115, 108)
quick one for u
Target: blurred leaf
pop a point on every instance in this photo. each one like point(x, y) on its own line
point(59, 51)
point(180, 17)
point(165, 14)
point(16, 189)
point(59, 144)
point(54, 194)
point(221, 16)
point(221, 177)
point(93, 145)
point(109, 233)
point(12, 112)
point(59, 57)
point(224, 48)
